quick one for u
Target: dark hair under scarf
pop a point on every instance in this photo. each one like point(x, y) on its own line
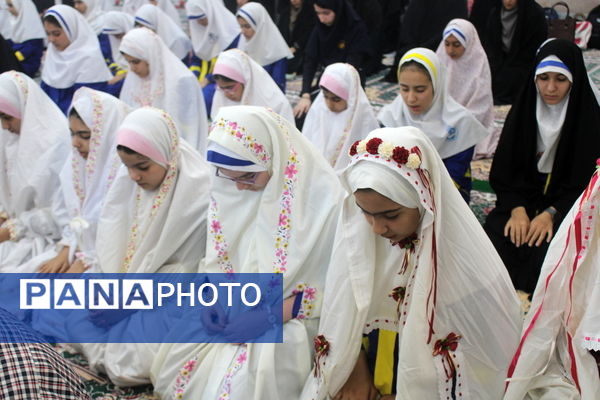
point(514, 175)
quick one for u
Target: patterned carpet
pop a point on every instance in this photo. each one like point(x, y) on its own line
point(379, 93)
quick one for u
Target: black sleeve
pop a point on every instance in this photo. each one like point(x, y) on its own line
point(311, 62)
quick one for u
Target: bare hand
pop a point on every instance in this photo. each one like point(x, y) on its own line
point(58, 264)
point(4, 235)
point(359, 385)
point(77, 267)
point(302, 107)
point(517, 226)
point(540, 229)
point(117, 78)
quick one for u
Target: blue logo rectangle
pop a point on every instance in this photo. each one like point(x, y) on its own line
point(145, 308)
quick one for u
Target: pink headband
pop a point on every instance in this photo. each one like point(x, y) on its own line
point(331, 84)
point(226, 70)
point(138, 143)
point(9, 109)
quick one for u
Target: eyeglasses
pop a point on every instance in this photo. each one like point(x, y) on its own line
point(247, 178)
point(229, 89)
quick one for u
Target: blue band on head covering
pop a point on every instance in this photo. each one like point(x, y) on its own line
point(249, 16)
point(218, 158)
point(451, 30)
point(54, 12)
point(196, 16)
point(552, 63)
point(142, 20)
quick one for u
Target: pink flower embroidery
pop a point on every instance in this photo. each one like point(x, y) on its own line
point(290, 171)
point(215, 225)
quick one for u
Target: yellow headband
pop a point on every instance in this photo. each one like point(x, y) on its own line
point(419, 57)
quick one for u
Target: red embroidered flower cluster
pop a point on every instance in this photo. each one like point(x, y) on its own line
point(400, 154)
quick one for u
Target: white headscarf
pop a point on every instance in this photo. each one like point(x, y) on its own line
point(550, 118)
point(333, 133)
point(170, 86)
point(468, 79)
point(31, 161)
point(86, 182)
point(267, 45)
point(94, 15)
point(450, 126)
point(452, 281)
point(82, 60)
point(5, 24)
point(563, 323)
point(222, 28)
point(259, 88)
point(131, 7)
point(27, 24)
point(115, 23)
point(155, 19)
point(143, 231)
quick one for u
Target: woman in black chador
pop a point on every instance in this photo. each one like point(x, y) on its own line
point(546, 155)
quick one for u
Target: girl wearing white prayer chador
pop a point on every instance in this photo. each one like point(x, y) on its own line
point(153, 220)
point(340, 115)
point(85, 179)
point(246, 83)
point(132, 6)
point(419, 305)
point(163, 82)
point(274, 207)
point(34, 149)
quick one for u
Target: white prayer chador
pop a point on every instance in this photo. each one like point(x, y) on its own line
point(5, 24)
point(447, 284)
point(30, 165)
point(132, 6)
point(553, 360)
point(170, 86)
point(469, 81)
point(259, 88)
point(84, 182)
point(333, 133)
point(117, 23)
point(285, 228)
point(222, 28)
point(450, 126)
point(82, 60)
point(142, 231)
point(94, 15)
point(267, 45)
point(27, 25)
point(154, 18)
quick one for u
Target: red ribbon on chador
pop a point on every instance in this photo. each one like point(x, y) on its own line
point(443, 347)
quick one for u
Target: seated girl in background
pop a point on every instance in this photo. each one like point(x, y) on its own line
point(116, 25)
point(261, 39)
point(158, 78)
point(174, 37)
point(241, 81)
point(26, 34)
point(34, 149)
point(419, 305)
point(340, 115)
point(85, 180)
point(425, 103)
point(213, 29)
point(73, 58)
point(547, 151)
point(166, 6)
point(468, 78)
point(94, 14)
point(153, 221)
point(274, 207)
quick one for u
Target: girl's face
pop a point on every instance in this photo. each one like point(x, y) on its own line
point(454, 48)
point(143, 171)
point(553, 87)
point(232, 90)
point(510, 4)
point(80, 6)
point(139, 67)
point(10, 123)
point(254, 181)
point(386, 217)
point(335, 103)
point(325, 15)
point(246, 28)
point(202, 21)
point(56, 36)
point(11, 8)
point(416, 89)
point(80, 136)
